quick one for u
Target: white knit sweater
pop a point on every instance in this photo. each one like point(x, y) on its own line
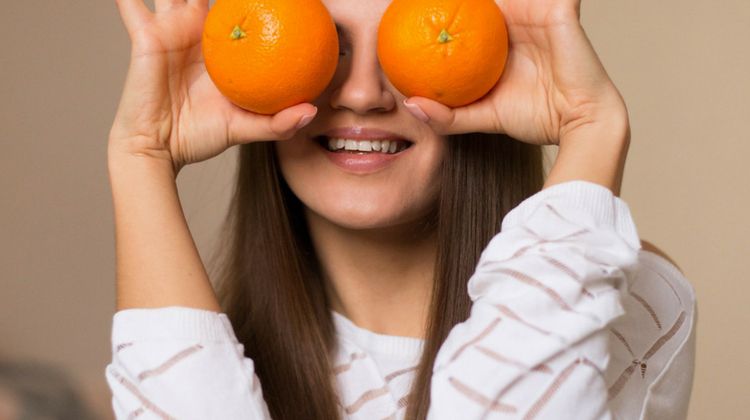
point(571, 319)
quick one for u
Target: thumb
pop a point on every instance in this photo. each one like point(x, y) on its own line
point(474, 117)
point(247, 127)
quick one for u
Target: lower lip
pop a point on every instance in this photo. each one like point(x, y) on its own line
point(362, 163)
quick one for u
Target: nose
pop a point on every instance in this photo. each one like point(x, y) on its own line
point(362, 88)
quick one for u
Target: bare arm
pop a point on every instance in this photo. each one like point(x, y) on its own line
point(171, 115)
point(157, 260)
point(595, 153)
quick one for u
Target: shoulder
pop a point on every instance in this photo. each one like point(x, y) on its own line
point(655, 268)
point(650, 247)
point(656, 334)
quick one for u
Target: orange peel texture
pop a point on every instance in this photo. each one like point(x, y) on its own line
point(267, 55)
point(451, 51)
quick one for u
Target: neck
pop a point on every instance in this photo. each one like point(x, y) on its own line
point(381, 279)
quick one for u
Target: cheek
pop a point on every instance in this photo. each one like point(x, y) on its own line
point(403, 192)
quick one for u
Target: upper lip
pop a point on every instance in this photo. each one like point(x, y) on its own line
point(362, 133)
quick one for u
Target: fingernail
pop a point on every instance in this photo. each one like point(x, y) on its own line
point(416, 111)
point(306, 120)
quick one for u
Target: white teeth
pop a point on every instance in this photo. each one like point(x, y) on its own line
point(382, 146)
point(351, 145)
point(364, 146)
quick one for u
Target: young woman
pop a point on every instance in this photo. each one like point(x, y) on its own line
point(448, 280)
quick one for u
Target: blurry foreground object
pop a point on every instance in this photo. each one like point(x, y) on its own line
point(36, 391)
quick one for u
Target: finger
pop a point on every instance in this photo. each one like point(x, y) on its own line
point(133, 13)
point(475, 117)
point(164, 5)
point(247, 127)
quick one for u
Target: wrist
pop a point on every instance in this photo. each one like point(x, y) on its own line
point(604, 117)
point(123, 159)
point(594, 152)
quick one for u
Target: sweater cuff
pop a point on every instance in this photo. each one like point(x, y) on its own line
point(171, 323)
point(594, 204)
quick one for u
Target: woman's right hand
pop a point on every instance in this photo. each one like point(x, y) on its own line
point(170, 109)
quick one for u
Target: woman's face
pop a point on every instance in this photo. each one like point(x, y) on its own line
point(373, 189)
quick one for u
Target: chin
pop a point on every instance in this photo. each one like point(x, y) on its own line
point(345, 188)
point(378, 208)
point(368, 203)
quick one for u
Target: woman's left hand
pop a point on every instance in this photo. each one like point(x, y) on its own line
point(554, 86)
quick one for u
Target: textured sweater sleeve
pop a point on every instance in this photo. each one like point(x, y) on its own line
point(544, 291)
point(180, 363)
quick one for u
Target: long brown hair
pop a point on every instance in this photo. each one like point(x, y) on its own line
point(270, 284)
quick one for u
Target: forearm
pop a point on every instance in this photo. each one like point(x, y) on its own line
point(157, 261)
point(536, 342)
point(594, 153)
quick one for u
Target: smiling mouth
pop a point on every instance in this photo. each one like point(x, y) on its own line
point(362, 147)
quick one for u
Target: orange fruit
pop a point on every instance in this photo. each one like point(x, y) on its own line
point(267, 55)
point(451, 51)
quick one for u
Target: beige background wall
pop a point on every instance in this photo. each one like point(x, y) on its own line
point(683, 67)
